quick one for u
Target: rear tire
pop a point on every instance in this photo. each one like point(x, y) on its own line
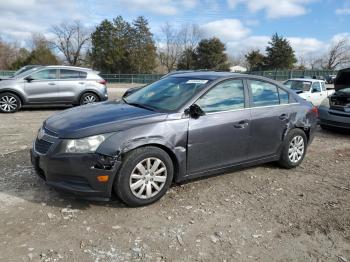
point(88, 98)
point(294, 149)
point(9, 103)
point(144, 177)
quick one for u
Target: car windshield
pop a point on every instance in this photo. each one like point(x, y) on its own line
point(168, 94)
point(22, 70)
point(27, 72)
point(298, 85)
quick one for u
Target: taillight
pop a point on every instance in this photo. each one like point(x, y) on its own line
point(315, 110)
point(102, 81)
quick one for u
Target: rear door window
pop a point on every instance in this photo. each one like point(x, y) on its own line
point(72, 74)
point(228, 95)
point(263, 93)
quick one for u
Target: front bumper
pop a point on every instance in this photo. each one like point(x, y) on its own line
point(334, 118)
point(75, 173)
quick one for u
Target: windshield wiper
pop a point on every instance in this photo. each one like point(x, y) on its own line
point(141, 106)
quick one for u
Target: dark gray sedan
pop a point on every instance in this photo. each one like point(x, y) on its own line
point(181, 127)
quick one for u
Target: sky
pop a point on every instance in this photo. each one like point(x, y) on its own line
point(311, 26)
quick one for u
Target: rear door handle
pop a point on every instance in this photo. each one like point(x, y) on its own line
point(242, 124)
point(81, 83)
point(283, 116)
point(52, 83)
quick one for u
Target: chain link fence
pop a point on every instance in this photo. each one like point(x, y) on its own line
point(6, 73)
point(131, 78)
point(279, 75)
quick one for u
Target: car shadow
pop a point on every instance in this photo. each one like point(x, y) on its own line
point(45, 108)
point(336, 132)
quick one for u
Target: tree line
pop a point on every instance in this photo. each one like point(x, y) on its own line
point(119, 46)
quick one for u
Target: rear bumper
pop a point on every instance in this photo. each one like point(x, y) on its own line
point(334, 118)
point(104, 97)
point(76, 174)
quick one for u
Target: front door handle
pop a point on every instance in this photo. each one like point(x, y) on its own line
point(242, 124)
point(283, 116)
point(52, 84)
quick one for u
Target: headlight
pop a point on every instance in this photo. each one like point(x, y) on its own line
point(84, 145)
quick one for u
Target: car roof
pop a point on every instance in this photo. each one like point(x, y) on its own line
point(70, 67)
point(306, 79)
point(210, 75)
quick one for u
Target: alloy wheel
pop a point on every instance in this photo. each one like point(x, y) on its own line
point(8, 103)
point(89, 99)
point(296, 149)
point(148, 178)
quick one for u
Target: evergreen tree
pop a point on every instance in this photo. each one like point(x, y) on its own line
point(119, 47)
point(110, 50)
point(187, 60)
point(280, 54)
point(143, 49)
point(210, 54)
point(255, 60)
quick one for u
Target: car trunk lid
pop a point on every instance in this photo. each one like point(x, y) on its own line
point(340, 100)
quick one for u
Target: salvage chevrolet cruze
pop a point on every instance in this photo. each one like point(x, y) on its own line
point(181, 127)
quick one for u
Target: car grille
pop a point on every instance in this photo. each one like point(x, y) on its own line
point(42, 146)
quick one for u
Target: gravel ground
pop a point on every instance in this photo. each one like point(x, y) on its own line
point(257, 214)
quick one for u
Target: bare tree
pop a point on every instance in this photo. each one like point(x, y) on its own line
point(189, 36)
point(9, 53)
point(38, 40)
point(72, 40)
point(170, 47)
point(175, 41)
point(339, 54)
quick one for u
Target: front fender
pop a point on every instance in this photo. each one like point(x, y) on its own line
point(170, 136)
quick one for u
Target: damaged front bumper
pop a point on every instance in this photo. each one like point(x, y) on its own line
point(78, 174)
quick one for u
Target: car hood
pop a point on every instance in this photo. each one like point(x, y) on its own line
point(99, 118)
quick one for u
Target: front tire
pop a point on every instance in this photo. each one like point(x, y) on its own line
point(9, 103)
point(144, 177)
point(294, 149)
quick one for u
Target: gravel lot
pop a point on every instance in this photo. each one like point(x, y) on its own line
point(256, 214)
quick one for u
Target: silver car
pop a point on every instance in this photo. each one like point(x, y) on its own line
point(52, 85)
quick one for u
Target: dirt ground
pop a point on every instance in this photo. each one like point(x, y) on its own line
point(257, 214)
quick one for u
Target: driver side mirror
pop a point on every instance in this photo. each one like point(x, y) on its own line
point(194, 111)
point(314, 90)
point(29, 78)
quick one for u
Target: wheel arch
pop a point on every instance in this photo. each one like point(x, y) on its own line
point(20, 96)
point(165, 148)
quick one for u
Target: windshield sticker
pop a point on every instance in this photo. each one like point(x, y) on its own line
point(197, 81)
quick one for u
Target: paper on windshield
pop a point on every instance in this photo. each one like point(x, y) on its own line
point(197, 81)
